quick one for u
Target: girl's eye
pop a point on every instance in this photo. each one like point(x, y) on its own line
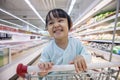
point(50, 23)
point(60, 20)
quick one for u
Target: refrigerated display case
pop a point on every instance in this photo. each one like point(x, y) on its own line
point(98, 29)
point(4, 55)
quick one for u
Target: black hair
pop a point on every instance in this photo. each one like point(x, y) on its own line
point(58, 13)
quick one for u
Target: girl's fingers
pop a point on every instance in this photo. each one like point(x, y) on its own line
point(52, 63)
point(41, 65)
point(80, 66)
point(76, 66)
point(71, 62)
point(49, 65)
point(84, 65)
point(45, 66)
point(42, 74)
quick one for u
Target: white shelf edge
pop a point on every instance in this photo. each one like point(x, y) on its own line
point(99, 31)
point(14, 41)
point(107, 41)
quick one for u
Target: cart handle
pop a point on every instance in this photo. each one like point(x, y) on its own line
point(23, 69)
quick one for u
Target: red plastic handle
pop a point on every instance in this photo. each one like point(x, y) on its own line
point(21, 70)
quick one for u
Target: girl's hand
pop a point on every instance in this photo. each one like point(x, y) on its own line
point(42, 74)
point(45, 67)
point(80, 64)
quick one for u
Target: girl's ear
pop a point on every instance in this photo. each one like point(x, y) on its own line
point(71, 24)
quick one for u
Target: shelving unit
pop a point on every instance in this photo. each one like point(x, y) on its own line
point(98, 23)
point(24, 47)
point(10, 69)
point(17, 33)
point(102, 38)
point(99, 34)
point(20, 41)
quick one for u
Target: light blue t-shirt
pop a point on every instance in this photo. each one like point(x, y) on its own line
point(55, 54)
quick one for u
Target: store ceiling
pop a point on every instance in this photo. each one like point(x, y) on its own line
point(21, 9)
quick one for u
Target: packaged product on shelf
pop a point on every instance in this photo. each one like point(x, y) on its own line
point(116, 50)
point(104, 15)
point(118, 24)
point(92, 20)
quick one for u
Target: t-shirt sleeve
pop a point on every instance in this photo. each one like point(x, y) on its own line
point(44, 55)
point(83, 51)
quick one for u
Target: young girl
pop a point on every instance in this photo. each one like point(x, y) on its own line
point(62, 49)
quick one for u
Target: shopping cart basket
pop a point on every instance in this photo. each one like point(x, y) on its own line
point(94, 71)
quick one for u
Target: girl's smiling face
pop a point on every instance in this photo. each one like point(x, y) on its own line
point(57, 27)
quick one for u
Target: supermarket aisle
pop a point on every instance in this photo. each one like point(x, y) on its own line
point(22, 29)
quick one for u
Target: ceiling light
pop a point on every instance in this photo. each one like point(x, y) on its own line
point(43, 1)
point(54, 4)
point(35, 11)
point(91, 12)
point(51, 4)
point(71, 6)
point(48, 4)
point(10, 23)
point(19, 18)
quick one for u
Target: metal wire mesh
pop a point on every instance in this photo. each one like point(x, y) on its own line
point(88, 75)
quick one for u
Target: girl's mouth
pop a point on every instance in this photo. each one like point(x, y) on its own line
point(59, 30)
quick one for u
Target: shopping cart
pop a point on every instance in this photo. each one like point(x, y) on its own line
point(95, 71)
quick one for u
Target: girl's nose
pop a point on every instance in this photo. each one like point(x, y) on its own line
point(56, 24)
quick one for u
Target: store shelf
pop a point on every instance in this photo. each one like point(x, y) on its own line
point(99, 31)
point(102, 41)
point(97, 23)
point(99, 34)
point(11, 30)
point(15, 41)
point(10, 69)
point(105, 54)
point(24, 45)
